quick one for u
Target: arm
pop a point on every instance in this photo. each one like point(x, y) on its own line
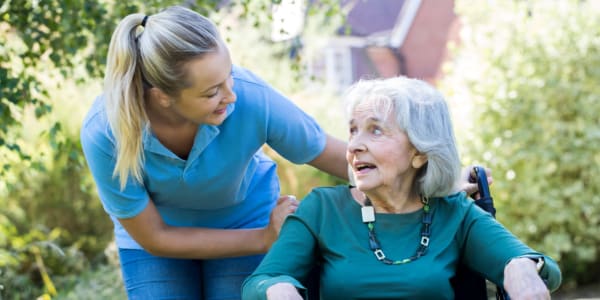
point(139, 216)
point(151, 232)
point(290, 260)
point(333, 161)
point(333, 158)
point(492, 250)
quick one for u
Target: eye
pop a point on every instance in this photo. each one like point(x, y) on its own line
point(376, 130)
point(213, 94)
point(353, 130)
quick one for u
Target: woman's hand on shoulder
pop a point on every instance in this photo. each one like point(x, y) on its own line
point(283, 291)
point(285, 205)
point(522, 281)
point(466, 184)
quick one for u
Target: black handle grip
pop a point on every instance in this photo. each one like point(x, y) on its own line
point(485, 200)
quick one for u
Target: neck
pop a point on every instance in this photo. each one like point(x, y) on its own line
point(164, 117)
point(395, 203)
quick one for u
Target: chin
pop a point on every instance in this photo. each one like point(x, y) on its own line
point(215, 121)
point(363, 186)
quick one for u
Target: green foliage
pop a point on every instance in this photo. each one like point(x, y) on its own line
point(31, 259)
point(51, 224)
point(103, 282)
point(530, 71)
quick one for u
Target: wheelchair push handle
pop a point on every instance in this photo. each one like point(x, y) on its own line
point(485, 200)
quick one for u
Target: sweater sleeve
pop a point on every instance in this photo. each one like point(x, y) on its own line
point(489, 246)
point(290, 259)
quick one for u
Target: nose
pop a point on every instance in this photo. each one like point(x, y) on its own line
point(230, 95)
point(355, 144)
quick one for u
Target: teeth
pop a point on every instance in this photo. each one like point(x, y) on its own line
point(362, 166)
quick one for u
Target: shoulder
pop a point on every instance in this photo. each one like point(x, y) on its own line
point(322, 207)
point(457, 206)
point(322, 200)
point(95, 128)
point(458, 201)
point(96, 115)
point(245, 80)
point(460, 210)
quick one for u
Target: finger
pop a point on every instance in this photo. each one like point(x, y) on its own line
point(470, 188)
point(488, 171)
point(472, 174)
point(281, 199)
point(284, 198)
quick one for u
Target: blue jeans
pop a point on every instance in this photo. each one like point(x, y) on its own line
point(151, 277)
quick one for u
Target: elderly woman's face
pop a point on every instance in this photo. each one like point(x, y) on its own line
point(380, 154)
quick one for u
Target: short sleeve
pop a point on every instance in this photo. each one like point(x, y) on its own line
point(290, 131)
point(98, 150)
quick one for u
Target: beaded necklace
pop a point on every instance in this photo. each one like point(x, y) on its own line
point(368, 217)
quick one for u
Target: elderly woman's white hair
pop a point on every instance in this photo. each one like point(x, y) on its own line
point(422, 113)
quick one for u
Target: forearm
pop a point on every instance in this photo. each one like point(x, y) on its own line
point(333, 158)
point(150, 231)
point(522, 281)
point(204, 243)
point(549, 270)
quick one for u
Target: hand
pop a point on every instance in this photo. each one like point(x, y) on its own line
point(471, 187)
point(285, 205)
point(283, 291)
point(522, 281)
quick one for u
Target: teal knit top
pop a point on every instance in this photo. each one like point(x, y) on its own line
point(327, 228)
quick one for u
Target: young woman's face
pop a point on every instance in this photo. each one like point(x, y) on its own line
point(206, 100)
point(379, 153)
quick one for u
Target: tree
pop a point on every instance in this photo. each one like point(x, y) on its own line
point(530, 71)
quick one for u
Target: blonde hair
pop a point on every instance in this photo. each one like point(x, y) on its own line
point(140, 57)
point(421, 112)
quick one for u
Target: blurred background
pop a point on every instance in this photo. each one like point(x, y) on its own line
point(522, 79)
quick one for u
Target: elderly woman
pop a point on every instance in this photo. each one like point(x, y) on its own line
point(401, 231)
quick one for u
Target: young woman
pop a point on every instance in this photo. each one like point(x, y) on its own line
point(174, 146)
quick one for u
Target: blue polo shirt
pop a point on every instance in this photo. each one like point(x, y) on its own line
point(226, 182)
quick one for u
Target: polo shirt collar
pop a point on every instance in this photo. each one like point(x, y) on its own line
point(206, 133)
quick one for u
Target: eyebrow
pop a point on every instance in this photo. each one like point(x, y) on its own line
point(371, 119)
point(218, 84)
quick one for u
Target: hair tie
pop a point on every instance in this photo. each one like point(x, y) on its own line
point(144, 21)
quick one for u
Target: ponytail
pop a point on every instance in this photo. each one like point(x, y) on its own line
point(124, 95)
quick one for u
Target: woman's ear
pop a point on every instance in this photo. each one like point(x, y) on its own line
point(419, 160)
point(163, 99)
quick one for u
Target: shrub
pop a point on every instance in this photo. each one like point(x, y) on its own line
point(530, 71)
